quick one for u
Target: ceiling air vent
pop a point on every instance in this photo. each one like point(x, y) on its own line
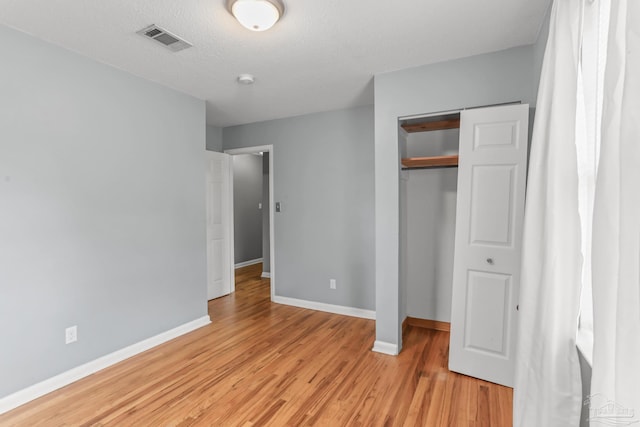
point(165, 38)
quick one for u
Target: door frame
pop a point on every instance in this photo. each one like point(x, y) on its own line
point(272, 263)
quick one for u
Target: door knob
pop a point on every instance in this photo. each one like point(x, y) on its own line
point(490, 261)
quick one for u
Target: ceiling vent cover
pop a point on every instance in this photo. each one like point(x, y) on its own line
point(165, 38)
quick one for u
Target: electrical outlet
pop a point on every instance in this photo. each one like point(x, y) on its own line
point(332, 283)
point(71, 334)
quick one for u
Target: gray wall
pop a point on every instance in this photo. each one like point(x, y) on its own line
point(428, 203)
point(247, 216)
point(323, 174)
point(214, 138)
point(266, 249)
point(102, 220)
point(493, 78)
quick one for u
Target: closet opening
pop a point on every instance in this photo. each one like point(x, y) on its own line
point(428, 192)
point(460, 232)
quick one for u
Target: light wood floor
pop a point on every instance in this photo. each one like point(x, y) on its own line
point(260, 363)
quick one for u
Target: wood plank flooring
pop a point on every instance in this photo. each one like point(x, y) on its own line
point(264, 364)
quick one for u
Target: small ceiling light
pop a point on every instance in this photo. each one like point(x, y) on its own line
point(256, 15)
point(246, 79)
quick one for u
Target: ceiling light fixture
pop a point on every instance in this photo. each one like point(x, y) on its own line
point(256, 15)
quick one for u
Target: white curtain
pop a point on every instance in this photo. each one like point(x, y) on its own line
point(615, 386)
point(547, 390)
point(581, 233)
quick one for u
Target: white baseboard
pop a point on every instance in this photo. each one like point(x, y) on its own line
point(385, 348)
point(47, 386)
point(248, 263)
point(266, 275)
point(330, 308)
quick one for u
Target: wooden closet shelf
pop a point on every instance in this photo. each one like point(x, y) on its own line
point(426, 162)
point(453, 123)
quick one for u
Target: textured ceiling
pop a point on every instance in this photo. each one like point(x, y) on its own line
point(321, 56)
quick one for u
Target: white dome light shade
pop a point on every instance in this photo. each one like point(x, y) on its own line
point(256, 15)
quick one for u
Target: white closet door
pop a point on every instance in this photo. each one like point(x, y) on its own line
point(219, 225)
point(486, 272)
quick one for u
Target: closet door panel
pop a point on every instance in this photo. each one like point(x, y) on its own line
point(485, 315)
point(492, 223)
point(490, 208)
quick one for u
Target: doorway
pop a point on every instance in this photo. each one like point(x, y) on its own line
point(249, 175)
point(473, 270)
point(268, 205)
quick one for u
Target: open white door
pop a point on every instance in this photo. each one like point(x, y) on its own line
point(219, 224)
point(486, 272)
